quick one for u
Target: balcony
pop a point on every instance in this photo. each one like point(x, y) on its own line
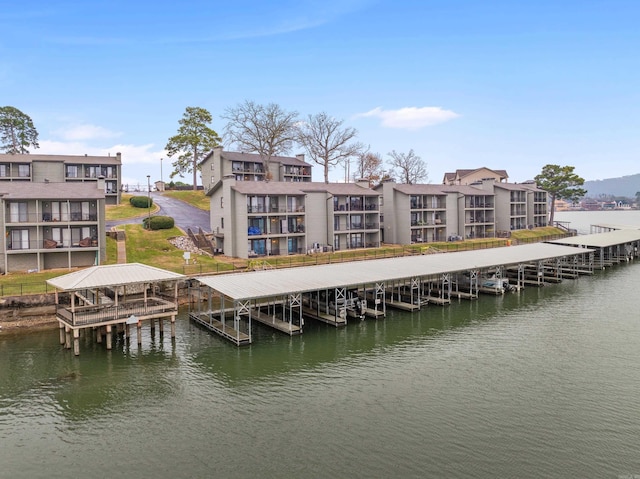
point(49, 244)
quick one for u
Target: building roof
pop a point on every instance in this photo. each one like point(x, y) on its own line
point(112, 275)
point(466, 190)
point(461, 173)
point(420, 189)
point(300, 188)
point(511, 186)
point(601, 240)
point(26, 190)
point(70, 159)
point(269, 283)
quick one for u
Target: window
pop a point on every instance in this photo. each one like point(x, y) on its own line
point(93, 171)
point(258, 247)
point(76, 211)
point(109, 171)
point(73, 171)
point(18, 212)
point(4, 170)
point(292, 245)
point(62, 236)
point(78, 234)
point(59, 211)
point(23, 171)
point(19, 239)
point(222, 223)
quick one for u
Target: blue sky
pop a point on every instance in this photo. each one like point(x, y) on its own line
point(505, 84)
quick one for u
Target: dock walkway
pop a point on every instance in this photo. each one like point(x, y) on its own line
point(275, 323)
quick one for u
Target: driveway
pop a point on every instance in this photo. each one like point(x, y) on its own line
point(184, 215)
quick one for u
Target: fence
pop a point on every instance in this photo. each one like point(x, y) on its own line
point(268, 262)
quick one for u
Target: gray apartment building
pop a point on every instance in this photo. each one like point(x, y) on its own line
point(51, 225)
point(53, 209)
point(219, 164)
point(484, 209)
point(251, 217)
point(74, 169)
point(259, 218)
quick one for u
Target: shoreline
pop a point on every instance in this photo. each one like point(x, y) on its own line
point(28, 324)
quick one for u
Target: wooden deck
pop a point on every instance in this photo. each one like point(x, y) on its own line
point(237, 337)
point(105, 314)
point(273, 322)
point(401, 305)
point(336, 321)
point(372, 313)
point(438, 300)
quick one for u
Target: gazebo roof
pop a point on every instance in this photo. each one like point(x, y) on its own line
point(112, 275)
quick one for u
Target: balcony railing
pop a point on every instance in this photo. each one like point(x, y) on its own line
point(47, 217)
point(85, 315)
point(49, 244)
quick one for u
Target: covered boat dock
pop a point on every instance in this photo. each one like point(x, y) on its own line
point(334, 292)
point(102, 298)
point(612, 247)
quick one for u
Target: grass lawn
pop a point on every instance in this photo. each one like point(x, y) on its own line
point(125, 210)
point(154, 249)
point(194, 198)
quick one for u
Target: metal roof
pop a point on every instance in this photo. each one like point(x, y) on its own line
point(70, 159)
point(112, 275)
point(613, 226)
point(601, 240)
point(262, 284)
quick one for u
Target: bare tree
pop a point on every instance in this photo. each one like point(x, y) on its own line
point(264, 129)
point(326, 142)
point(368, 167)
point(411, 169)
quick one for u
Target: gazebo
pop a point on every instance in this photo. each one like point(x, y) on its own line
point(119, 295)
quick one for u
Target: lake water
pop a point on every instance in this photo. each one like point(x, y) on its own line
point(540, 383)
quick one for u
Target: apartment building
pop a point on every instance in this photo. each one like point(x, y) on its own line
point(519, 205)
point(51, 225)
point(485, 209)
point(219, 164)
point(36, 168)
point(259, 218)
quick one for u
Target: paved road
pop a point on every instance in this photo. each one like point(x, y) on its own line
point(184, 215)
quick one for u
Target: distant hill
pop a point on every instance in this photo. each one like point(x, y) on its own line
point(624, 186)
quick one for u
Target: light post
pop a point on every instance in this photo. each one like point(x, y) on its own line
point(149, 201)
point(161, 177)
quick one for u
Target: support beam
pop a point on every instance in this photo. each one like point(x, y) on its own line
point(76, 342)
point(109, 337)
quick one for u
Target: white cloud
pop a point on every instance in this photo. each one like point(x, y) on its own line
point(86, 132)
point(411, 118)
point(131, 154)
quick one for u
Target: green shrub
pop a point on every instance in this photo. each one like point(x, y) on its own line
point(141, 201)
point(158, 222)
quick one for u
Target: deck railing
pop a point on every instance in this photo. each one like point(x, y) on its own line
point(85, 315)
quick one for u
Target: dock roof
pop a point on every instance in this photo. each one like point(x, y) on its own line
point(112, 275)
point(269, 283)
point(601, 240)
